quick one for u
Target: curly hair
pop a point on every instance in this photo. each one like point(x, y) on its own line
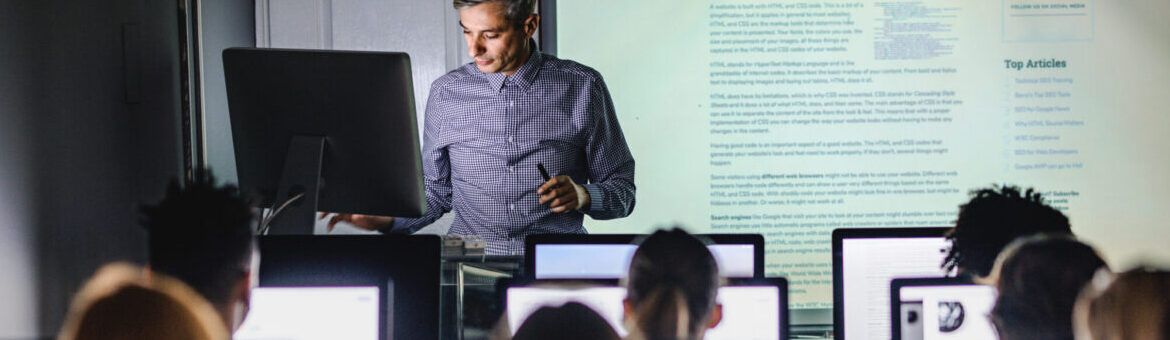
point(201, 234)
point(992, 219)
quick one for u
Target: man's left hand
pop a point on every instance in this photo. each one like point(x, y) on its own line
point(562, 195)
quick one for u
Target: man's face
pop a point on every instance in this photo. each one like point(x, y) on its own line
point(496, 45)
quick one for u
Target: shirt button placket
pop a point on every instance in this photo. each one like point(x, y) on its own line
point(511, 119)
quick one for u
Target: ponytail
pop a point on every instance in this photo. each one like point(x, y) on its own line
point(672, 286)
point(664, 315)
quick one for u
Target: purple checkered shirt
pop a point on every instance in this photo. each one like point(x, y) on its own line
point(485, 133)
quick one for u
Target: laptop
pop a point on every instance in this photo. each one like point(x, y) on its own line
point(864, 262)
point(941, 309)
point(607, 256)
point(752, 309)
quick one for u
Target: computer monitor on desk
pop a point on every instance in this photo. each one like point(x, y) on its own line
point(865, 260)
point(607, 256)
point(312, 313)
point(404, 269)
point(941, 308)
point(325, 131)
point(752, 309)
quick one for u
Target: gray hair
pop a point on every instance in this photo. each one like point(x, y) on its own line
point(515, 11)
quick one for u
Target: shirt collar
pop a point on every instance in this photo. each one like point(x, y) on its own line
point(524, 76)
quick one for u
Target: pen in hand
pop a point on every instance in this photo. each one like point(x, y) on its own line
point(543, 172)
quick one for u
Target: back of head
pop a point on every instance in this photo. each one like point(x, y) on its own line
point(993, 218)
point(118, 304)
point(201, 233)
point(571, 321)
point(1134, 305)
point(672, 285)
point(1039, 279)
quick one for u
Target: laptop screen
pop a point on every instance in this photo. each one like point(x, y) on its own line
point(611, 261)
point(312, 313)
point(940, 312)
point(749, 312)
point(867, 266)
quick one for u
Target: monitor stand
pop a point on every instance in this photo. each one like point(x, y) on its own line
point(301, 175)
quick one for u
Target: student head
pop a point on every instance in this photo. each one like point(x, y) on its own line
point(1039, 278)
point(672, 287)
point(571, 321)
point(498, 32)
point(1134, 305)
point(201, 234)
point(119, 303)
point(993, 218)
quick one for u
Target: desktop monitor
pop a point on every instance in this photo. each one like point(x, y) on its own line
point(864, 262)
point(941, 309)
point(312, 313)
point(405, 269)
point(607, 256)
point(335, 128)
point(752, 309)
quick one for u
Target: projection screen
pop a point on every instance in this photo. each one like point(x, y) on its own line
point(793, 118)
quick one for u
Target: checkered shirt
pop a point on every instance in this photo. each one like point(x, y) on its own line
point(485, 133)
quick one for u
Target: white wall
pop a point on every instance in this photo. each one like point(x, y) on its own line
point(88, 133)
point(426, 30)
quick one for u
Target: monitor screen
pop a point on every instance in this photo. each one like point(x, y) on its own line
point(940, 312)
point(868, 265)
point(611, 261)
point(749, 312)
point(312, 313)
point(606, 301)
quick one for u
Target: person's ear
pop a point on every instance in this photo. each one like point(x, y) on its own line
point(243, 289)
point(148, 274)
point(627, 310)
point(629, 320)
point(530, 25)
point(241, 302)
point(716, 316)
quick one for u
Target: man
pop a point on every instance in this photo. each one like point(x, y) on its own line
point(994, 218)
point(490, 124)
point(202, 235)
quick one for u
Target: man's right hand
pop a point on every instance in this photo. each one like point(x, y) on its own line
point(365, 222)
